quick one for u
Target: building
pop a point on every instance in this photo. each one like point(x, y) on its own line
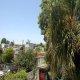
point(29, 45)
point(4, 46)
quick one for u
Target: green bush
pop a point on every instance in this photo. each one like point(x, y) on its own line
point(21, 75)
point(26, 59)
point(9, 76)
point(7, 55)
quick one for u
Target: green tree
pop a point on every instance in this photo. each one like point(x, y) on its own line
point(1, 51)
point(7, 42)
point(0, 46)
point(59, 24)
point(7, 55)
point(3, 40)
point(12, 43)
point(26, 59)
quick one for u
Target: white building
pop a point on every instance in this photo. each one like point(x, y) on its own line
point(29, 45)
point(5, 45)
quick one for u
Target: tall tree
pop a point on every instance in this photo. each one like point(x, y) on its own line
point(59, 23)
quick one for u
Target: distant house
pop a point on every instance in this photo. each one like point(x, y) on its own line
point(29, 45)
point(16, 48)
point(4, 46)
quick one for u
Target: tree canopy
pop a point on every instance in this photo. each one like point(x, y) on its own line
point(60, 25)
point(26, 59)
point(4, 40)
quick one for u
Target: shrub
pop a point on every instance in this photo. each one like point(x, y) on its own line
point(21, 75)
point(26, 60)
point(7, 55)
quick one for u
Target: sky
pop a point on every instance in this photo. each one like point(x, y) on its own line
point(19, 20)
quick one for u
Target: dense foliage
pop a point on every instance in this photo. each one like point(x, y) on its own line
point(26, 59)
point(7, 55)
point(5, 41)
point(21, 75)
point(60, 25)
